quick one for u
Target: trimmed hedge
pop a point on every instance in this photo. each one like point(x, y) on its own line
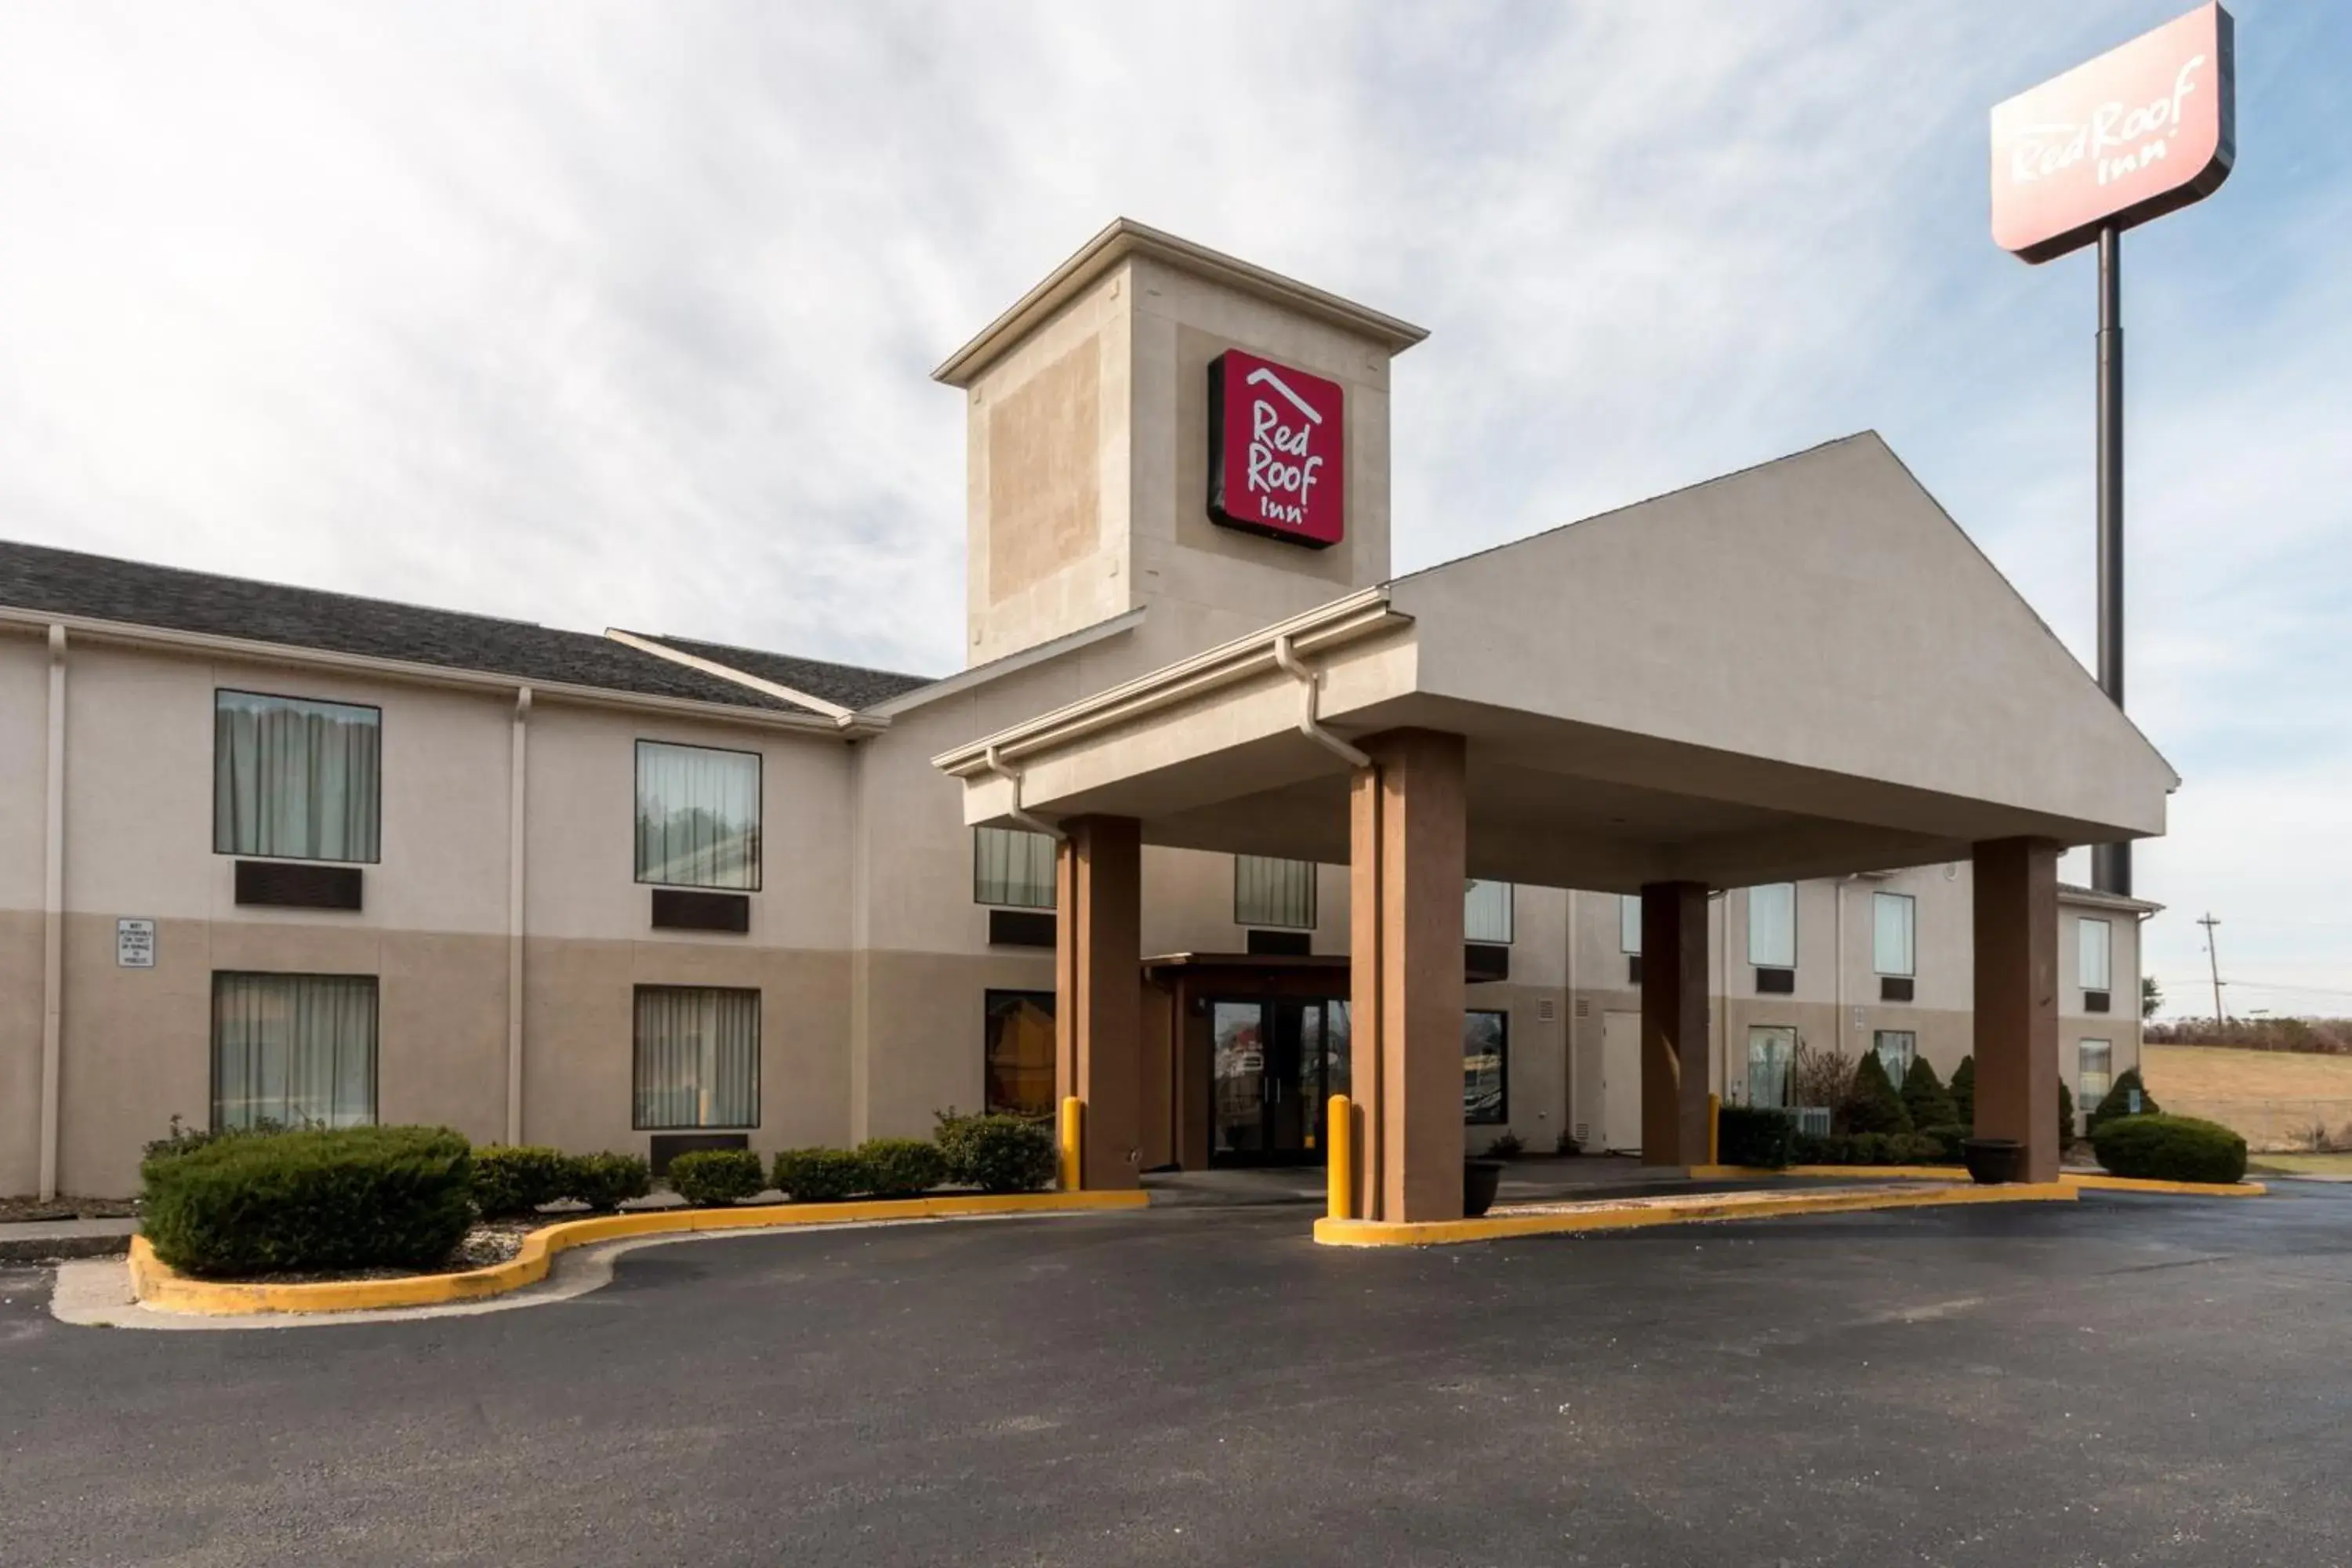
point(1755, 1135)
point(1939, 1146)
point(607, 1181)
point(1947, 1140)
point(822, 1175)
point(1872, 1105)
point(997, 1153)
point(512, 1180)
point(902, 1167)
point(717, 1175)
point(2170, 1149)
point(2117, 1103)
point(352, 1197)
point(1924, 1098)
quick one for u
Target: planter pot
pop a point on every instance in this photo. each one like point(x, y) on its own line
point(1479, 1180)
point(1993, 1161)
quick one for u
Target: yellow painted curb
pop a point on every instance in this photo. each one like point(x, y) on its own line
point(2103, 1183)
point(2095, 1179)
point(1673, 1211)
point(156, 1284)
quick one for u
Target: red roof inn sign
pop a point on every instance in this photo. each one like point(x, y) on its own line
point(1275, 452)
point(2140, 130)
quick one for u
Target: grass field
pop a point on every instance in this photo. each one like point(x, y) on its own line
point(2272, 1097)
point(2301, 1164)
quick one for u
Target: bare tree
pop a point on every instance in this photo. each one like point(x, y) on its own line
point(1817, 1077)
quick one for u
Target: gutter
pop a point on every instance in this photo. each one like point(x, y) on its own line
point(1012, 775)
point(53, 913)
point(1287, 659)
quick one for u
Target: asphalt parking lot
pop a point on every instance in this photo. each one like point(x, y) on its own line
point(2123, 1381)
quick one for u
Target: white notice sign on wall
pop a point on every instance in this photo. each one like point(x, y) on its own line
point(134, 945)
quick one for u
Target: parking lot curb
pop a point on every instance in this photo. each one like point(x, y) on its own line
point(155, 1283)
point(2098, 1180)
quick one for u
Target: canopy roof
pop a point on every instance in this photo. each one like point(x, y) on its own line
point(1800, 669)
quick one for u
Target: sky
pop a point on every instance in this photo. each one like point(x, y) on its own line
point(624, 315)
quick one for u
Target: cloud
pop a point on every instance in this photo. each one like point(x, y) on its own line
point(623, 314)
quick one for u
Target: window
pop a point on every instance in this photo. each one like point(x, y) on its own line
point(1486, 911)
point(1629, 922)
point(1772, 926)
point(296, 780)
point(697, 1058)
point(697, 816)
point(2094, 1063)
point(1019, 1060)
point(1271, 892)
point(1013, 868)
point(1771, 1050)
point(1893, 919)
point(2093, 948)
point(1896, 1048)
point(1485, 1067)
point(296, 1049)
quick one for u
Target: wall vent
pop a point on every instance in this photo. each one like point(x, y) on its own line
point(1547, 1010)
point(1584, 1007)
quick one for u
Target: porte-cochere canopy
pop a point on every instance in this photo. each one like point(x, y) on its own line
point(1802, 669)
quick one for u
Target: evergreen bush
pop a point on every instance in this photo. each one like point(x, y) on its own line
point(1924, 1098)
point(902, 1167)
point(2116, 1102)
point(713, 1176)
point(997, 1153)
point(2066, 1133)
point(1947, 1140)
point(1964, 1092)
point(512, 1180)
point(1755, 1135)
point(350, 1197)
point(1872, 1105)
point(607, 1181)
point(2170, 1149)
point(826, 1175)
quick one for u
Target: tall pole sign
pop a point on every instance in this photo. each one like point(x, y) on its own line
point(2142, 130)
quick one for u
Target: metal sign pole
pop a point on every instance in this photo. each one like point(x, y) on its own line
point(2111, 864)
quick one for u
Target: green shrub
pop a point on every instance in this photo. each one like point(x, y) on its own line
point(1947, 1140)
point(717, 1175)
point(1872, 1105)
point(184, 1138)
point(353, 1197)
point(825, 1175)
point(2066, 1133)
point(1964, 1092)
point(1817, 1149)
point(1505, 1146)
point(607, 1181)
point(513, 1179)
point(1755, 1135)
point(1866, 1148)
point(1914, 1149)
point(2117, 1103)
point(902, 1167)
point(997, 1153)
point(2170, 1149)
point(1924, 1098)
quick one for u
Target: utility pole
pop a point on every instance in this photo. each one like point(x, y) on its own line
point(2213, 961)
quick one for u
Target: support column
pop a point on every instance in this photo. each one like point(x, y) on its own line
point(1098, 992)
point(2016, 921)
point(1406, 874)
point(1677, 1069)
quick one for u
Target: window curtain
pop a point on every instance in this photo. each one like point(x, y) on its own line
point(1486, 911)
point(697, 1058)
point(697, 816)
point(2092, 936)
point(296, 1049)
point(1629, 922)
point(294, 779)
point(1892, 921)
point(1771, 1048)
point(1020, 1063)
point(2094, 1065)
point(1896, 1048)
point(1772, 926)
point(1271, 892)
point(1013, 868)
point(1484, 1041)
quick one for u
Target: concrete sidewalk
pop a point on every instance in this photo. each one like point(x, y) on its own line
point(38, 1241)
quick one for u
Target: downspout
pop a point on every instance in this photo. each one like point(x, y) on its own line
point(1309, 724)
point(517, 797)
point(1012, 775)
point(53, 915)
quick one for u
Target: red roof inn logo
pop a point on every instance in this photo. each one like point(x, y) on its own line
point(1274, 450)
point(2142, 130)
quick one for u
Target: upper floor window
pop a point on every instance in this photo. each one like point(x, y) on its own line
point(1629, 922)
point(1271, 892)
point(1013, 868)
point(1486, 911)
point(2096, 949)
point(1893, 922)
point(697, 816)
point(1772, 926)
point(296, 779)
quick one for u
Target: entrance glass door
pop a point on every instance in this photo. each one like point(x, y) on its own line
point(1274, 1064)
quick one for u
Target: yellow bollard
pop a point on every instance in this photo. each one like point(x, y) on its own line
point(1340, 1174)
point(1714, 1116)
point(1073, 1141)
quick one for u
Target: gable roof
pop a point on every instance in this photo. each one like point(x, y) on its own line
point(848, 685)
point(100, 587)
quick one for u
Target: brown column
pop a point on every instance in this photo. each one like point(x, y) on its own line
point(1099, 991)
point(1675, 1066)
point(1409, 821)
point(2017, 998)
